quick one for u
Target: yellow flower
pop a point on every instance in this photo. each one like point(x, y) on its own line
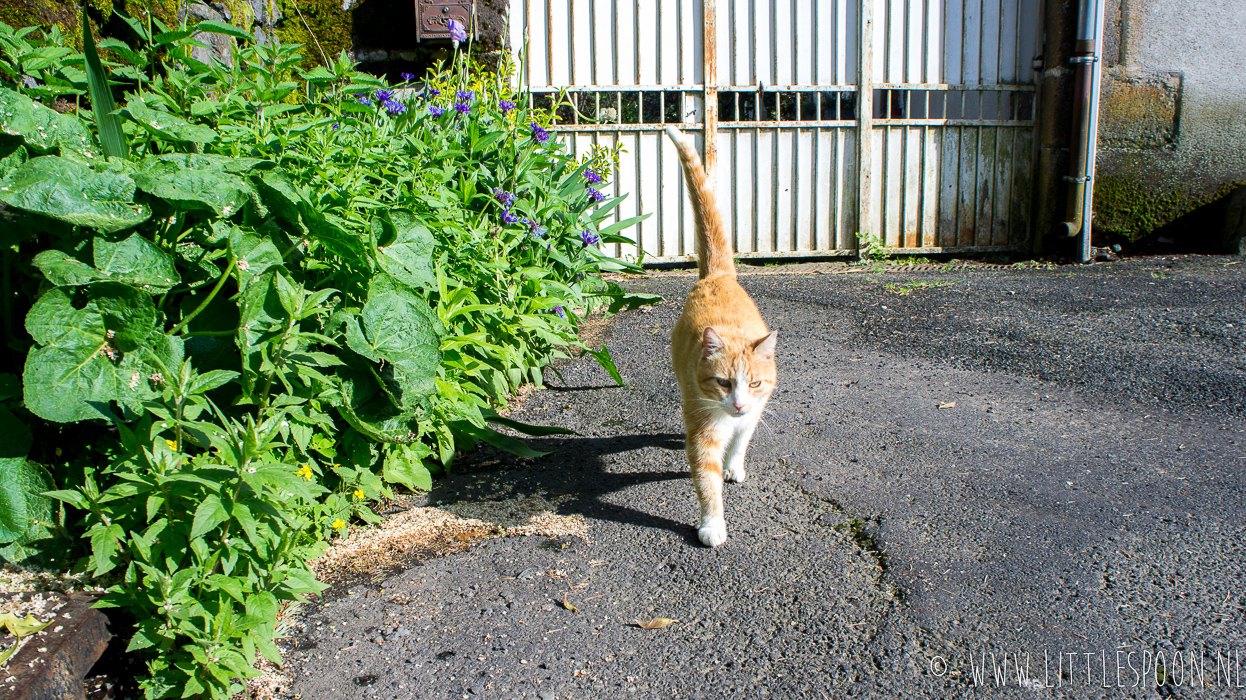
point(305, 472)
point(359, 494)
point(172, 445)
point(339, 524)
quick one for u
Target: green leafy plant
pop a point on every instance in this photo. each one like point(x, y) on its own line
point(871, 248)
point(255, 299)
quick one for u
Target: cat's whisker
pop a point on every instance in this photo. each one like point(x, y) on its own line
point(762, 421)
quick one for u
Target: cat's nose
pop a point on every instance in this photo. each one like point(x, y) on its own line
point(740, 407)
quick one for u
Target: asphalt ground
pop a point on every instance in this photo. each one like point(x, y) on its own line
point(1008, 482)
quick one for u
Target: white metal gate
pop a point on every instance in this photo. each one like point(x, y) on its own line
point(908, 120)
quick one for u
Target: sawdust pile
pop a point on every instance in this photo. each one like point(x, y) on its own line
point(451, 528)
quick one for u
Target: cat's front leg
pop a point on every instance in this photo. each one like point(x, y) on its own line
point(733, 457)
point(705, 463)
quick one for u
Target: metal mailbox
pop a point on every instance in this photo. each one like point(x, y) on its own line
point(433, 16)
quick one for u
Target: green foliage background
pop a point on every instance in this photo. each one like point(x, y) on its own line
point(248, 301)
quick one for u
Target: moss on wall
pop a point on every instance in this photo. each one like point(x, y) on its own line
point(331, 27)
point(1126, 208)
point(66, 15)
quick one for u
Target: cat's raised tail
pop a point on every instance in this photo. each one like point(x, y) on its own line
point(713, 248)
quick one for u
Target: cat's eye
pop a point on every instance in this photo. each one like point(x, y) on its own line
point(724, 383)
point(754, 384)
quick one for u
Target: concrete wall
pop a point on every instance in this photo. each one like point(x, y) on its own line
point(1172, 130)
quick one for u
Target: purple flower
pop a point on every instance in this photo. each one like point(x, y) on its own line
point(596, 195)
point(337, 125)
point(363, 100)
point(408, 77)
point(510, 218)
point(383, 95)
point(592, 177)
point(589, 237)
point(395, 107)
point(436, 111)
point(465, 95)
point(536, 229)
point(506, 106)
point(430, 93)
point(457, 31)
point(507, 199)
point(541, 135)
point(561, 314)
point(462, 108)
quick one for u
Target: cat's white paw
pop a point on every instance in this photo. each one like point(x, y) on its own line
point(713, 532)
point(735, 473)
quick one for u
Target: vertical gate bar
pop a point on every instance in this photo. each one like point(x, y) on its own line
point(710, 102)
point(572, 45)
point(969, 51)
point(839, 240)
point(841, 42)
point(865, 116)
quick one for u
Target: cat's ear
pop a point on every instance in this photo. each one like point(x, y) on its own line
point(711, 343)
point(764, 348)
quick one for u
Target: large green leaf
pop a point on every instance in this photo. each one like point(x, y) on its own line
point(404, 464)
point(137, 261)
point(288, 202)
point(403, 246)
point(134, 260)
point(64, 270)
point(53, 320)
point(87, 355)
point(255, 251)
point(165, 126)
point(14, 519)
point(70, 191)
point(41, 128)
point(260, 314)
point(399, 329)
point(34, 546)
point(193, 180)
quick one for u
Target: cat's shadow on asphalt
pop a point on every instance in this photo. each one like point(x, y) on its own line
point(576, 468)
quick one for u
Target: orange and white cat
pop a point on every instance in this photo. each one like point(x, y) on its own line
point(723, 355)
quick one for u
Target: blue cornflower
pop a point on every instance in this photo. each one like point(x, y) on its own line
point(383, 95)
point(507, 199)
point(506, 106)
point(462, 107)
point(592, 177)
point(590, 237)
point(363, 100)
point(596, 195)
point(408, 77)
point(430, 93)
point(395, 107)
point(458, 32)
point(561, 314)
point(509, 217)
point(541, 135)
point(337, 125)
point(536, 229)
point(436, 111)
point(465, 95)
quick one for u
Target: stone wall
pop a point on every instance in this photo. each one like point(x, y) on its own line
point(1172, 125)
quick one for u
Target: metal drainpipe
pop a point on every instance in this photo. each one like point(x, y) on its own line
point(1085, 56)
